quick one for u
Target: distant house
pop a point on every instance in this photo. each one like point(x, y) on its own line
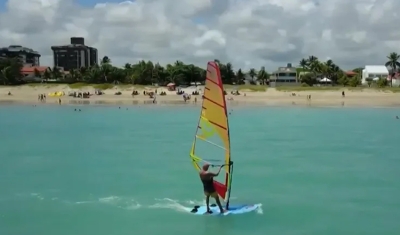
point(284, 76)
point(29, 73)
point(28, 70)
point(371, 72)
point(350, 73)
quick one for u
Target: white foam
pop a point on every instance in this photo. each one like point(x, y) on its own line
point(168, 203)
point(128, 203)
point(203, 202)
point(84, 202)
point(195, 202)
point(134, 206)
point(110, 199)
point(37, 195)
point(259, 209)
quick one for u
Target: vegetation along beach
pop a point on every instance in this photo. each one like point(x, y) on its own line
point(147, 82)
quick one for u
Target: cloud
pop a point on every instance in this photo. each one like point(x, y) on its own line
point(247, 33)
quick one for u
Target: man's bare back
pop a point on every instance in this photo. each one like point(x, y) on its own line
point(207, 178)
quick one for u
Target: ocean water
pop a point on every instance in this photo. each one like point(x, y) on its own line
point(111, 171)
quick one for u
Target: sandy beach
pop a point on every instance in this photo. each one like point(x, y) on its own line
point(271, 97)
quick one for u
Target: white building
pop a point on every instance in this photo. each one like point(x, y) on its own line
point(396, 82)
point(373, 71)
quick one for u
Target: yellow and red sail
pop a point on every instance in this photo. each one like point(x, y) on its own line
point(213, 129)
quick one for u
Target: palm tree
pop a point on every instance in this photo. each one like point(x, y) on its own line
point(55, 74)
point(303, 64)
point(105, 60)
point(73, 75)
point(393, 62)
point(252, 74)
point(262, 75)
point(229, 74)
point(314, 65)
point(47, 74)
point(127, 66)
point(4, 74)
point(192, 72)
point(312, 59)
point(239, 77)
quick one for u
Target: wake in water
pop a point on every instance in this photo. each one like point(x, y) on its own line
point(128, 203)
point(186, 206)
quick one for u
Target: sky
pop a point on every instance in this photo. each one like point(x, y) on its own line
point(246, 33)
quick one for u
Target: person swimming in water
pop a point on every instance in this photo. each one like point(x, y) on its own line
point(207, 178)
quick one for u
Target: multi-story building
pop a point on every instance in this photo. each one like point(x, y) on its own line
point(26, 55)
point(74, 55)
point(284, 76)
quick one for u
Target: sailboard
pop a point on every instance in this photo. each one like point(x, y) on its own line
point(212, 142)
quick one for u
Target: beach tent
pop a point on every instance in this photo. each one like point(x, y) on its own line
point(325, 80)
point(171, 86)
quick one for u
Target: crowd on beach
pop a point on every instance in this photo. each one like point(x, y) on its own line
point(161, 95)
point(42, 97)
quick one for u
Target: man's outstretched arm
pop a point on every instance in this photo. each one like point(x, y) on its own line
point(215, 174)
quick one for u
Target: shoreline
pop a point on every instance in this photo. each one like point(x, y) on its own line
point(107, 103)
point(28, 95)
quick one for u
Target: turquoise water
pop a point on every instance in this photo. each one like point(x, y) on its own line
point(115, 171)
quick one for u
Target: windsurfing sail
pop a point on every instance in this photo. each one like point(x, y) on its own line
point(212, 141)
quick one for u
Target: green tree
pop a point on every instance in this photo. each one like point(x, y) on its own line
point(308, 79)
point(252, 73)
point(262, 76)
point(181, 73)
point(354, 81)
point(343, 80)
point(10, 71)
point(393, 62)
point(239, 77)
point(382, 82)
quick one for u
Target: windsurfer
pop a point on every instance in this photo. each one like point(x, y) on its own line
point(208, 184)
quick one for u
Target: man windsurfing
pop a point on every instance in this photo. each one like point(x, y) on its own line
point(208, 185)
